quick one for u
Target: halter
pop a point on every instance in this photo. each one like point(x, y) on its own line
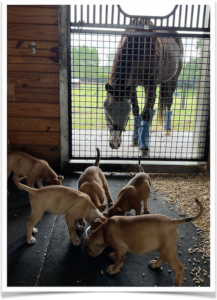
point(117, 114)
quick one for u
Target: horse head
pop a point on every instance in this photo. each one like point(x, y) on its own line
point(117, 108)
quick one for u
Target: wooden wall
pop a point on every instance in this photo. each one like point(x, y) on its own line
point(34, 115)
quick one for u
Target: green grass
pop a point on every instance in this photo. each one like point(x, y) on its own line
point(86, 114)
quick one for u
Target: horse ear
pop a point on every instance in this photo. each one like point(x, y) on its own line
point(108, 88)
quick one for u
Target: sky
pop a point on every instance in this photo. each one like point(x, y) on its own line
point(108, 44)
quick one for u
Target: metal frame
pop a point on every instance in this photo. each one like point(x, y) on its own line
point(85, 22)
point(93, 25)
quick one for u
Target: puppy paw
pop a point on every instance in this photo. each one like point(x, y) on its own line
point(112, 255)
point(32, 240)
point(34, 230)
point(111, 270)
point(76, 242)
point(146, 211)
point(152, 263)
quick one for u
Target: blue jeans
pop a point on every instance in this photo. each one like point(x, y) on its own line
point(141, 130)
point(167, 125)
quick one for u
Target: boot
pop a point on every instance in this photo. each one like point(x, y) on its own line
point(135, 136)
point(144, 138)
point(167, 126)
point(144, 134)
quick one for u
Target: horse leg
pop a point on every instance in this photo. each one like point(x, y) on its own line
point(137, 118)
point(147, 116)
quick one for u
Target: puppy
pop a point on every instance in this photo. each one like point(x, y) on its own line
point(35, 169)
point(59, 200)
point(93, 183)
point(142, 235)
point(138, 189)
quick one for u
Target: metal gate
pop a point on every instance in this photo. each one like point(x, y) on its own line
point(95, 33)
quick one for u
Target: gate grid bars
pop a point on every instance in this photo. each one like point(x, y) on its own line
point(184, 135)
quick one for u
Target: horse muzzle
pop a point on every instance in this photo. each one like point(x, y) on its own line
point(114, 145)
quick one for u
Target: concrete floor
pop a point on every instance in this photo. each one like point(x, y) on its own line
point(54, 262)
point(179, 145)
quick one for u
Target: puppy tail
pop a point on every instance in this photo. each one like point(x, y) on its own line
point(140, 167)
point(182, 221)
point(98, 158)
point(24, 187)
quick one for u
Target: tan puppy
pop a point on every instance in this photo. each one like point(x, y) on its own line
point(142, 235)
point(138, 189)
point(35, 169)
point(59, 200)
point(93, 183)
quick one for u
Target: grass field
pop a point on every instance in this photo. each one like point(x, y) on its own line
point(88, 112)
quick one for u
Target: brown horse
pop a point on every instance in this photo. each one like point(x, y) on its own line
point(142, 61)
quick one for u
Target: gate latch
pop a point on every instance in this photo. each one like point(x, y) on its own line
point(146, 27)
point(32, 46)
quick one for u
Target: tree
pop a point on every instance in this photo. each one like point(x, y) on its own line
point(84, 62)
point(191, 68)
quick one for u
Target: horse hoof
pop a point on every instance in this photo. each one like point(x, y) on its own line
point(167, 133)
point(134, 144)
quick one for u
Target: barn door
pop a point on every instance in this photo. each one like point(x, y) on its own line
point(95, 34)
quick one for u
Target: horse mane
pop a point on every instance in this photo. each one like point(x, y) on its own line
point(126, 57)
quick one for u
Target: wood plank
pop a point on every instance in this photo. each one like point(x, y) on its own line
point(10, 92)
point(42, 6)
point(33, 68)
point(34, 95)
point(34, 80)
point(43, 49)
point(33, 110)
point(34, 138)
point(32, 15)
point(32, 32)
point(33, 64)
point(33, 124)
point(51, 61)
point(49, 153)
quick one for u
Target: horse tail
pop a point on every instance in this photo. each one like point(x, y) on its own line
point(98, 158)
point(162, 100)
point(140, 167)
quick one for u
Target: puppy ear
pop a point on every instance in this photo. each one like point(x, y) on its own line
point(105, 214)
point(118, 212)
point(60, 177)
point(102, 207)
point(86, 241)
point(97, 220)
